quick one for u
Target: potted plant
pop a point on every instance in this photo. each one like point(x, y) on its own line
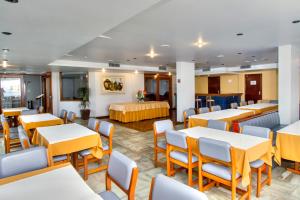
point(84, 95)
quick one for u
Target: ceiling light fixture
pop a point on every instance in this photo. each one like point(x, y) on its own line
point(4, 63)
point(220, 56)
point(165, 45)
point(6, 33)
point(68, 55)
point(104, 37)
point(136, 71)
point(239, 34)
point(296, 21)
point(170, 73)
point(103, 70)
point(247, 61)
point(200, 43)
point(110, 61)
point(152, 54)
point(239, 53)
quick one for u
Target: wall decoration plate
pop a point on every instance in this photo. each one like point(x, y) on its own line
point(113, 84)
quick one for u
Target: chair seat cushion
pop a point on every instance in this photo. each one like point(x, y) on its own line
point(85, 152)
point(108, 195)
point(13, 130)
point(59, 158)
point(219, 170)
point(13, 135)
point(257, 163)
point(162, 144)
point(181, 156)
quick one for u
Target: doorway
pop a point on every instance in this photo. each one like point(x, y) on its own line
point(253, 87)
point(47, 93)
point(214, 85)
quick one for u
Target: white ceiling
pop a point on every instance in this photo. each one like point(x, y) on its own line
point(46, 30)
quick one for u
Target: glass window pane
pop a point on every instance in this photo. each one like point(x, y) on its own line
point(10, 92)
point(71, 82)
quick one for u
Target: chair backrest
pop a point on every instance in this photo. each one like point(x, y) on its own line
point(215, 108)
point(29, 112)
point(105, 128)
point(243, 103)
point(177, 138)
point(41, 109)
point(203, 110)
point(19, 162)
point(4, 123)
point(234, 105)
point(256, 131)
point(162, 126)
point(217, 124)
point(25, 142)
point(71, 116)
point(189, 112)
point(63, 114)
point(215, 149)
point(93, 124)
point(250, 102)
point(163, 187)
point(121, 169)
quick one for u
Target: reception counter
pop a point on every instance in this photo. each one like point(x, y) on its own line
point(223, 100)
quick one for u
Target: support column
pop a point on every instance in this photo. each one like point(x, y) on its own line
point(288, 83)
point(185, 82)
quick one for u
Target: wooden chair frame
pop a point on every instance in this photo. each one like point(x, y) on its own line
point(8, 142)
point(216, 180)
point(151, 188)
point(189, 166)
point(71, 120)
point(65, 118)
point(185, 120)
point(131, 190)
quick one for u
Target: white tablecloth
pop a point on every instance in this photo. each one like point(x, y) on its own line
point(38, 118)
point(292, 129)
point(59, 184)
point(19, 109)
point(221, 114)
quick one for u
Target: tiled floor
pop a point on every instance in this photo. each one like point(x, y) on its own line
point(138, 146)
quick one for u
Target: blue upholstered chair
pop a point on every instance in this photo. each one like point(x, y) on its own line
point(250, 102)
point(179, 152)
point(29, 112)
point(11, 138)
point(23, 161)
point(123, 172)
point(215, 108)
point(218, 124)
point(93, 124)
point(259, 165)
point(163, 187)
point(106, 130)
point(234, 105)
point(159, 130)
point(63, 115)
point(203, 110)
point(71, 116)
point(243, 103)
point(219, 165)
point(186, 114)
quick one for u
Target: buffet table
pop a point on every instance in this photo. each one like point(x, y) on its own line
point(137, 111)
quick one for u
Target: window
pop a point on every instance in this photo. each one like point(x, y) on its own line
point(70, 83)
point(10, 92)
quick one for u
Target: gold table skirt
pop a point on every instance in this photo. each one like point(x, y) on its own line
point(287, 147)
point(133, 116)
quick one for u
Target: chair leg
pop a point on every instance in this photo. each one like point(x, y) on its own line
point(259, 170)
point(200, 179)
point(168, 167)
point(269, 175)
point(155, 157)
point(233, 190)
point(249, 188)
point(190, 176)
point(85, 167)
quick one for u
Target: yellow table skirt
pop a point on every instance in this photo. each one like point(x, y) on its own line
point(203, 122)
point(262, 110)
point(262, 151)
point(287, 147)
point(92, 142)
point(133, 116)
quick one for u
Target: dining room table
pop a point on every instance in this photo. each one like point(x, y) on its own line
point(58, 182)
point(248, 148)
point(260, 108)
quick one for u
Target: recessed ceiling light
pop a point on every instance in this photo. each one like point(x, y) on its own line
point(170, 73)
point(247, 61)
point(254, 60)
point(12, 1)
point(104, 37)
point(6, 33)
point(103, 70)
point(85, 56)
point(220, 56)
point(128, 60)
point(5, 50)
point(239, 53)
point(165, 45)
point(200, 43)
point(152, 54)
point(239, 34)
point(296, 21)
point(134, 58)
point(222, 64)
point(68, 55)
point(136, 71)
point(4, 63)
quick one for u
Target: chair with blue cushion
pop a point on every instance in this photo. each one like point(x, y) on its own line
point(160, 145)
point(218, 124)
point(163, 187)
point(186, 114)
point(123, 172)
point(234, 105)
point(71, 116)
point(10, 135)
point(203, 110)
point(63, 115)
point(215, 108)
point(19, 162)
point(179, 152)
point(106, 130)
point(259, 166)
point(93, 124)
point(29, 112)
point(217, 162)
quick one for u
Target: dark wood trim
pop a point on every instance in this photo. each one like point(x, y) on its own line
point(44, 91)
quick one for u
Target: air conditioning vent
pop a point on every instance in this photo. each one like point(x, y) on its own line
point(113, 65)
point(162, 68)
point(245, 67)
point(206, 69)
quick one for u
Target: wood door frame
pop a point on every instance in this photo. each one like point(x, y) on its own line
point(245, 89)
point(161, 76)
point(44, 88)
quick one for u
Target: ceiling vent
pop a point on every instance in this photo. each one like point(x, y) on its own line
point(206, 69)
point(162, 68)
point(113, 65)
point(245, 67)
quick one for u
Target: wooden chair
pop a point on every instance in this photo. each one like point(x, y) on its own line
point(71, 116)
point(217, 163)
point(203, 110)
point(93, 124)
point(234, 105)
point(179, 152)
point(186, 114)
point(123, 172)
point(106, 130)
point(10, 135)
point(41, 109)
point(63, 115)
point(215, 108)
point(250, 102)
point(259, 166)
point(159, 130)
point(163, 187)
point(218, 124)
point(243, 103)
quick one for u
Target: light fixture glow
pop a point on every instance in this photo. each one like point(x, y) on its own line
point(4, 63)
point(200, 43)
point(165, 45)
point(152, 54)
point(136, 71)
point(220, 56)
point(103, 70)
point(104, 37)
point(170, 73)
